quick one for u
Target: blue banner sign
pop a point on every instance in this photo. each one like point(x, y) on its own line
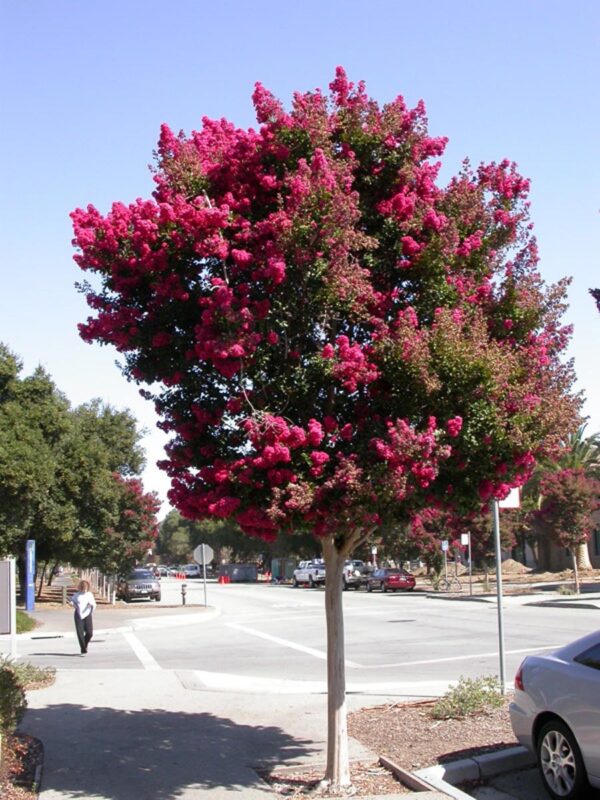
point(30, 575)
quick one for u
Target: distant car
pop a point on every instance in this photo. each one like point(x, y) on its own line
point(310, 572)
point(391, 579)
point(140, 583)
point(354, 574)
point(192, 571)
point(556, 715)
point(162, 572)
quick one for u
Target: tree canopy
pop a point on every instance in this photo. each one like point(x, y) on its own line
point(331, 337)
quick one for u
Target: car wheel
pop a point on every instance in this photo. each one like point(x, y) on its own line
point(384, 587)
point(560, 762)
point(311, 582)
point(295, 583)
point(157, 598)
point(369, 587)
point(344, 584)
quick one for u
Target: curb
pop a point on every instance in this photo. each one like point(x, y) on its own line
point(444, 776)
point(140, 623)
point(565, 604)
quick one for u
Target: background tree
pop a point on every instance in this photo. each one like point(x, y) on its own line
point(333, 339)
point(66, 475)
point(576, 452)
point(569, 499)
point(34, 417)
point(179, 536)
point(596, 295)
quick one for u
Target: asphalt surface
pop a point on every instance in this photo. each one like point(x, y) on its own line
point(190, 702)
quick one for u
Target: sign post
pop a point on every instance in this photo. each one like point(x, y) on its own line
point(445, 552)
point(465, 539)
point(204, 554)
point(512, 501)
point(8, 603)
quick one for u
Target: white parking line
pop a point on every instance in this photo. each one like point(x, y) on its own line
point(285, 643)
point(144, 656)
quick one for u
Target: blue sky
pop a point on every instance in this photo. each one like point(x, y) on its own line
point(84, 87)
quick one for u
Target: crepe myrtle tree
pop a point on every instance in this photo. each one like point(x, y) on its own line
point(330, 337)
point(569, 498)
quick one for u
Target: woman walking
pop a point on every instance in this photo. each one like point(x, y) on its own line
point(84, 603)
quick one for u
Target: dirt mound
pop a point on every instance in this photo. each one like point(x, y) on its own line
point(512, 567)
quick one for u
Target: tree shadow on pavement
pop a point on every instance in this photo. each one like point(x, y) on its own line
point(153, 753)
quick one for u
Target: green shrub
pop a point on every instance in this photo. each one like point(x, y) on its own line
point(24, 622)
point(28, 675)
point(12, 698)
point(470, 696)
point(563, 589)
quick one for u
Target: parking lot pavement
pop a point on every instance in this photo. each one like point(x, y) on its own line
point(524, 784)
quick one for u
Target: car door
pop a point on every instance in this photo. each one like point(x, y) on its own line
point(584, 712)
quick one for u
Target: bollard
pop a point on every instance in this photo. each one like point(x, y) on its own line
point(183, 593)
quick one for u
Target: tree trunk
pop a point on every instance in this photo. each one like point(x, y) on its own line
point(575, 570)
point(42, 574)
point(337, 773)
point(21, 571)
point(582, 556)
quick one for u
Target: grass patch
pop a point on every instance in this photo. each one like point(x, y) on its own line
point(24, 622)
point(469, 697)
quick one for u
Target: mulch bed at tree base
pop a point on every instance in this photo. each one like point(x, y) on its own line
point(405, 734)
point(22, 755)
point(367, 779)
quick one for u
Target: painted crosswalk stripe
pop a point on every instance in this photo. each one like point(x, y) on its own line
point(144, 655)
point(285, 643)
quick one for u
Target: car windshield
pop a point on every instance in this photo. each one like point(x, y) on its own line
point(140, 573)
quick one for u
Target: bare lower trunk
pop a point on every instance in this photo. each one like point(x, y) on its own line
point(582, 556)
point(576, 571)
point(337, 773)
point(42, 574)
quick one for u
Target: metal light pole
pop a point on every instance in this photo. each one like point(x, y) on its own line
point(496, 521)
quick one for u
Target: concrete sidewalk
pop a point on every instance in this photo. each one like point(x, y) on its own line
point(56, 621)
point(125, 734)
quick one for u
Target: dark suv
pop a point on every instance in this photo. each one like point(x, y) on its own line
point(139, 583)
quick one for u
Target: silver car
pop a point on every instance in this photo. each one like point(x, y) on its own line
point(556, 715)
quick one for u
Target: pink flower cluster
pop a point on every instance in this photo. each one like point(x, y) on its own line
point(351, 366)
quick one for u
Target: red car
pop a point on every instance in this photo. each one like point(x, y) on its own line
point(390, 579)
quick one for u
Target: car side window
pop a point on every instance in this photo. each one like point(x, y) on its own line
point(590, 658)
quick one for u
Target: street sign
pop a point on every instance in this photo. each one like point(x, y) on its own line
point(373, 551)
point(203, 554)
point(464, 539)
point(445, 545)
point(513, 500)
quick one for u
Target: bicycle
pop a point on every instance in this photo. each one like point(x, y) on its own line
point(445, 584)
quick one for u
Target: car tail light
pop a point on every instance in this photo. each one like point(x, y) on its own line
point(519, 678)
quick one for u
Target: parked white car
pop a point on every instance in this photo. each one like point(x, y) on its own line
point(310, 572)
point(556, 715)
